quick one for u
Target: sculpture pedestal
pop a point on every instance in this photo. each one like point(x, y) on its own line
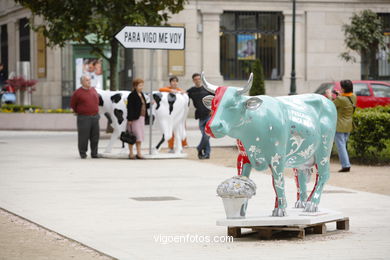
point(296, 221)
point(145, 153)
point(165, 156)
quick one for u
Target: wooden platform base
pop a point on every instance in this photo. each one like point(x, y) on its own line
point(297, 223)
point(267, 232)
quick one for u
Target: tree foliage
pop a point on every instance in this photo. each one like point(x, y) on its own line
point(258, 86)
point(73, 20)
point(364, 35)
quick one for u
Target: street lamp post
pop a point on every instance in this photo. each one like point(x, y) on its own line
point(293, 86)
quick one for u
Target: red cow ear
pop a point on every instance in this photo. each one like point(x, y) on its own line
point(207, 101)
point(253, 103)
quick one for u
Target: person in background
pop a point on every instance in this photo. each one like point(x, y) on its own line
point(85, 103)
point(249, 50)
point(345, 103)
point(3, 78)
point(196, 94)
point(173, 88)
point(99, 74)
point(89, 69)
point(137, 111)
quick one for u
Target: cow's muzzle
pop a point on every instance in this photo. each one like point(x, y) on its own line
point(217, 129)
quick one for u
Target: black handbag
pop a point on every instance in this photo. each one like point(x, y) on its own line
point(128, 137)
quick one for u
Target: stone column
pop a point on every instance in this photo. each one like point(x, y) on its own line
point(13, 44)
point(299, 51)
point(210, 44)
point(13, 51)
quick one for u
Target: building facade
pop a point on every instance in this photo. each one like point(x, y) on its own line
point(223, 38)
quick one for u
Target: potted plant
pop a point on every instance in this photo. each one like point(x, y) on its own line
point(23, 89)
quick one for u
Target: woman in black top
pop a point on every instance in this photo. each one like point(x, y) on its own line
point(136, 114)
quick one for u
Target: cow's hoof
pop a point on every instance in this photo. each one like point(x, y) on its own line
point(311, 207)
point(300, 204)
point(279, 212)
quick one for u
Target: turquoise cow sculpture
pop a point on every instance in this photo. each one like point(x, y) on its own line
point(277, 133)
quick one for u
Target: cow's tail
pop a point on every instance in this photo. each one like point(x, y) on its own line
point(109, 119)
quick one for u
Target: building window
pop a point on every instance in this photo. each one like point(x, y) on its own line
point(24, 39)
point(383, 56)
point(380, 65)
point(246, 36)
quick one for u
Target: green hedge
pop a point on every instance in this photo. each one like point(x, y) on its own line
point(370, 140)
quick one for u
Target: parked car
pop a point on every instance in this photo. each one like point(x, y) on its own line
point(7, 95)
point(369, 93)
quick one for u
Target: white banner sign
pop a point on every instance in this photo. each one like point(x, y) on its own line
point(145, 37)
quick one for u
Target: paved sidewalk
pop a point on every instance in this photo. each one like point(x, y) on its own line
point(91, 201)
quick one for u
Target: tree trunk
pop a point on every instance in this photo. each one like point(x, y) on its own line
point(373, 62)
point(366, 70)
point(370, 69)
point(365, 61)
point(113, 65)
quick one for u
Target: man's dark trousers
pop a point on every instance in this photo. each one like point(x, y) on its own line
point(88, 129)
point(204, 145)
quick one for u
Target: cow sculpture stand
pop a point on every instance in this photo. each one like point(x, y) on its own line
point(277, 133)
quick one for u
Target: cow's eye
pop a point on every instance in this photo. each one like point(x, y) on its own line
point(253, 103)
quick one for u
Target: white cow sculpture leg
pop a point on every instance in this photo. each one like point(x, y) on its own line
point(115, 136)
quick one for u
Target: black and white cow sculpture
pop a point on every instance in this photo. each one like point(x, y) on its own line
point(170, 111)
point(114, 103)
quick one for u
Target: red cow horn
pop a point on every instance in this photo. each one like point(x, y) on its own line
point(247, 87)
point(210, 87)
